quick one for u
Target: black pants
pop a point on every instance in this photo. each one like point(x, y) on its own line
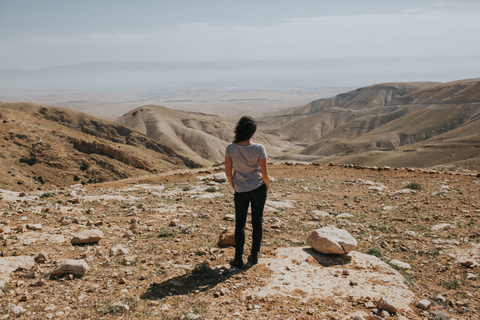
point(257, 198)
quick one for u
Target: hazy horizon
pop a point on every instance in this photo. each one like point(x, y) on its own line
point(39, 34)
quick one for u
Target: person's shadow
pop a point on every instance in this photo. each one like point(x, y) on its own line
point(201, 278)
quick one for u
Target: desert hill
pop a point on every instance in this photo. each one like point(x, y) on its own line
point(398, 115)
point(56, 146)
point(192, 134)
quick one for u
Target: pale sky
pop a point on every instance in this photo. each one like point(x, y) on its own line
point(36, 34)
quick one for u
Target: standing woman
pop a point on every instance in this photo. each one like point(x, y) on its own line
point(248, 162)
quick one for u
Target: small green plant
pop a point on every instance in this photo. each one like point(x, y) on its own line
point(165, 233)
point(187, 188)
point(452, 285)
point(30, 161)
point(414, 186)
point(46, 195)
point(211, 189)
point(375, 252)
point(76, 178)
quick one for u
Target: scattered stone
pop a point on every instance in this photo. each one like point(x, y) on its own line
point(369, 305)
point(423, 304)
point(119, 250)
point(174, 222)
point(4, 228)
point(386, 304)
point(440, 315)
point(35, 227)
point(87, 237)
point(400, 264)
point(358, 317)
point(441, 298)
point(471, 276)
point(121, 307)
point(220, 177)
point(76, 267)
point(227, 237)
point(441, 226)
point(345, 216)
point(17, 310)
point(229, 217)
point(41, 257)
point(331, 240)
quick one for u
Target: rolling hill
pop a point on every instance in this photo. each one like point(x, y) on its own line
point(192, 134)
point(45, 145)
point(388, 117)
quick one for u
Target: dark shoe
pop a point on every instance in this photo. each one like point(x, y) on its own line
point(252, 259)
point(237, 263)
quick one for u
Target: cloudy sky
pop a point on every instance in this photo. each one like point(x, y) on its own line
point(36, 34)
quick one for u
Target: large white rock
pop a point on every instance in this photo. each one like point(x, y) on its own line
point(331, 240)
point(87, 236)
point(76, 267)
point(10, 264)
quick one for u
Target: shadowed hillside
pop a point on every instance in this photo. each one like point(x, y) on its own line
point(48, 145)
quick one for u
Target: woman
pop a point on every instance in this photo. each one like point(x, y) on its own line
point(249, 180)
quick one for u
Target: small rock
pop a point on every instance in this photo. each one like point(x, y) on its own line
point(220, 177)
point(423, 304)
point(119, 250)
point(4, 228)
point(441, 298)
point(369, 305)
point(440, 315)
point(358, 317)
point(41, 257)
point(400, 264)
point(35, 227)
point(174, 222)
point(229, 217)
point(441, 226)
point(76, 267)
point(17, 310)
point(386, 304)
point(121, 307)
point(227, 237)
point(87, 237)
point(354, 282)
point(384, 314)
point(471, 276)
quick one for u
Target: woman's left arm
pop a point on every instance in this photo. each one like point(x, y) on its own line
point(264, 170)
point(228, 171)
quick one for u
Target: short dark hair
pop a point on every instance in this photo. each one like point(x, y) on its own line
point(245, 129)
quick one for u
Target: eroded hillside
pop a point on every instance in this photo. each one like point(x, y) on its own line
point(43, 146)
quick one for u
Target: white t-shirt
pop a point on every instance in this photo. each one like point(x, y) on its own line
point(247, 175)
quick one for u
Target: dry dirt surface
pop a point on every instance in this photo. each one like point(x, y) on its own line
point(158, 258)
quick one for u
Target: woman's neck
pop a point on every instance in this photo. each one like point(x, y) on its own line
point(245, 143)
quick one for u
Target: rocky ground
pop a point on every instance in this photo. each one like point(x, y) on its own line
point(156, 252)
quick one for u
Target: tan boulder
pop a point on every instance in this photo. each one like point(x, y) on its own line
point(76, 267)
point(227, 237)
point(87, 237)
